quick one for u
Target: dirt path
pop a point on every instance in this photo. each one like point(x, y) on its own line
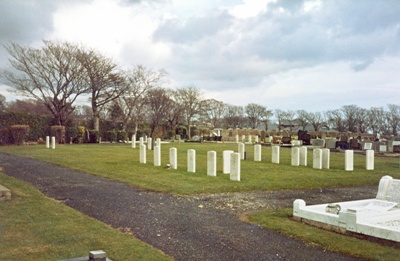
point(204, 227)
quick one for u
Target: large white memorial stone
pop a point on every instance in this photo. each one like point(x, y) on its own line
point(303, 156)
point(257, 152)
point(235, 167)
point(47, 142)
point(275, 154)
point(295, 156)
point(142, 153)
point(348, 160)
point(378, 217)
point(226, 161)
point(369, 159)
point(173, 158)
point(317, 158)
point(157, 156)
point(326, 158)
point(191, 161)
point(212, 163)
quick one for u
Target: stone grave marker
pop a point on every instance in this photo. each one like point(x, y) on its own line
point(53, 142)
point(317, 158)
point(212, 163)
point(173, 158)
point(226, 161)
point(149, 143)
point(295, 156)
point(241, 150)
point(348, 160)
point(369, 159)
point(235, 167)
point(257, 152)
point(157, 156)
point(142, 153)
point(303, 156)
point(275, 154)
point(133, 141)
point(326, 158)
point(48, 142)
point(191, 161)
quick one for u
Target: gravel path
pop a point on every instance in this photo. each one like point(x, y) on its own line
point(203, 227)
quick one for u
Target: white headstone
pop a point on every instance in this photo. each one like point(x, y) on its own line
point(48, 142)
point(326, 157)
point(53, 142)
point(141, 141)
point(295, 156)
point(226, 160)
point(142, 153)
point(382, 148)
point(256, 139)
point(243, 138)
point(275, 154)
point(191, 160)
point(158, 142)
point(235, 167)
point(250, 139)
point(149, 143)
point(303, 156)
point(241, 150)
point(368, 146)
point(317, 158)
point(212, 163)
point(133, 141)
point(348, 160)
point(157, 156)
point(173, 159)
point(237, 138)
point(257, 152)
point(369, 158)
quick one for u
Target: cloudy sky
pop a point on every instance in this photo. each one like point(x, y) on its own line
point(289, 55)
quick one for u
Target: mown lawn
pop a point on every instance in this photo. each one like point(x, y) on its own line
point(34, 227)
point(121, 162)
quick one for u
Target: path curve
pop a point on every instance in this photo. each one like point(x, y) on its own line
point(185, 228)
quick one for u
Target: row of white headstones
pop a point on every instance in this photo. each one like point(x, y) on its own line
point(231, 159)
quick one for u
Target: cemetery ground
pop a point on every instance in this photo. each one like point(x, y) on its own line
point(263, 186)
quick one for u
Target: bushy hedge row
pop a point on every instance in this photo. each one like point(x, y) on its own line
point(39, 125)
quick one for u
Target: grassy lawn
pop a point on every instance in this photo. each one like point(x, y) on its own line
point(34, 227)
point(279, 220)
point(121, 162)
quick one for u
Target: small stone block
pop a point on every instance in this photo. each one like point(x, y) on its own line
point(97, 255)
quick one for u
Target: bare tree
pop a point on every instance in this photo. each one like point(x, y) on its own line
point(3, 102)
point(393, 117)
point(214, 111)
point(158, 102)
point(335, 120)
point(302, 118)
point(30, 106)
point(350, 117)
point(376, 120)
point(255, 114)
point(280, 117)
point(362, 120)
point(234, 117)
point(290, 117)
point(191, 102)
point(139, 81)
point(51, 74)
point(174, 114)
point(315, 119)
point(104, 81)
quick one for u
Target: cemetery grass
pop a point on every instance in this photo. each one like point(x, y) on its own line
point(121, 162)
point(34, 227)
point(280, 221)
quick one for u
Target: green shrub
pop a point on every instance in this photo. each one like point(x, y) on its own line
point(5, 136)
point(19, 133)
point(94, 136)
point(121, 136)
